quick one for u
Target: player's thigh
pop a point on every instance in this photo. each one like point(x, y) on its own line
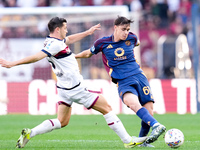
point(132, 101)
point(64, 114)
point(149, 107)
point(102, 105)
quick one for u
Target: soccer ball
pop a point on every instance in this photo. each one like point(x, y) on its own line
point(174, 138)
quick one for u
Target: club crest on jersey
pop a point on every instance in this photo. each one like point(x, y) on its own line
point(128, 43)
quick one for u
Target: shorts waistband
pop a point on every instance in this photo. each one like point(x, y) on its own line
point(69, 88)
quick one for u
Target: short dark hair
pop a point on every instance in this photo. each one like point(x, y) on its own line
point(55, 22)
point(122, 20)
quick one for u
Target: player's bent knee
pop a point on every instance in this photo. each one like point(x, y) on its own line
point(104, 109)
point(107, 109)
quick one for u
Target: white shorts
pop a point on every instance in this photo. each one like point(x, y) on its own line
point(79, 95)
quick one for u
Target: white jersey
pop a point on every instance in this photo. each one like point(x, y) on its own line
point(63, 62)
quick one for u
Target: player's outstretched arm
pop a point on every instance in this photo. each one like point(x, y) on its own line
point(84, 54)
point(27, 60)
point(77, 37)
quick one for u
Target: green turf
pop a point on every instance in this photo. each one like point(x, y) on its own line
point(90, 132)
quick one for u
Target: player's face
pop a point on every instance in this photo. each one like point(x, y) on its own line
point(63, 30)
point(122, 31)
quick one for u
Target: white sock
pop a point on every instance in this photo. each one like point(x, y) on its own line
point(45, 126)
point(116, 125)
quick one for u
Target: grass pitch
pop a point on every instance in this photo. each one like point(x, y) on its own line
point(90, 132)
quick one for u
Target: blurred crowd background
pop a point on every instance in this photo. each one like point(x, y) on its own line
point(156, 18)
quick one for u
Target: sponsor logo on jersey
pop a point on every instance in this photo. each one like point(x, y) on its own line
point(119, 52)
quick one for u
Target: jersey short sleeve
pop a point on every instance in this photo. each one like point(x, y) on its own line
point(135, 39)
point(98, 45)
point(93, 51)
point(51, 48)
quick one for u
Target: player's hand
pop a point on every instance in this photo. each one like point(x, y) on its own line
point(6, 64)
point(94, 28)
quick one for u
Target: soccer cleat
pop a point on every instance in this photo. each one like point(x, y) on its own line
point(145, 145)
point(135, 141)
point(24, 138)
point(156, 132)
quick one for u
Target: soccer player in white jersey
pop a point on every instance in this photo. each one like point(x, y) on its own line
point(69, 86)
